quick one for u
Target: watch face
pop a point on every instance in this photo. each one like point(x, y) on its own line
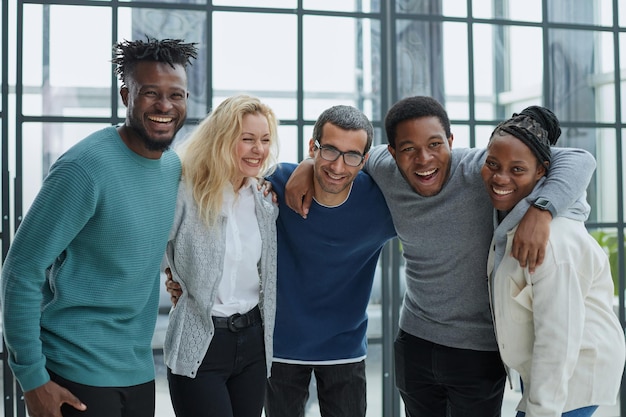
point(541, 203)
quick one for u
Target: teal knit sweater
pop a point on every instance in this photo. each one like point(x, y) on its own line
point(80, 283)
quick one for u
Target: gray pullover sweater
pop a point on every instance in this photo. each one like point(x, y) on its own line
point(445, 241)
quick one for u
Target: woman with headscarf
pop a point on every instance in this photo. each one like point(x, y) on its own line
point(555, 327)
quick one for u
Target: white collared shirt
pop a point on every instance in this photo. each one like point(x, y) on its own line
point(238, 291)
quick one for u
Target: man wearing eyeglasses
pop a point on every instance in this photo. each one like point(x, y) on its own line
point(326, 268)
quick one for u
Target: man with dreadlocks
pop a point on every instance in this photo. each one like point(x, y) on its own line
point(80, 283)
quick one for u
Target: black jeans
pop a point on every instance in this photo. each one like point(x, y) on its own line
point(133, 401)
point(440, 381)
point(341, 389)
point(230, 381)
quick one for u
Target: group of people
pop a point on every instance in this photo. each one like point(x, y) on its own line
point(270, 288)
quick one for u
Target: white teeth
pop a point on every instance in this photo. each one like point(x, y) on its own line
point(502, 192)
point(252, 161)
point(427, 173)
point(160, 119)
point(335, 177)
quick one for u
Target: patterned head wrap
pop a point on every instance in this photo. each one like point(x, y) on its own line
point(537, 127)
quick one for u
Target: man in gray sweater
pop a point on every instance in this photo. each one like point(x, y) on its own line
point(446, 358)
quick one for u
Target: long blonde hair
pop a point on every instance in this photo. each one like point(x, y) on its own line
point(208, 155)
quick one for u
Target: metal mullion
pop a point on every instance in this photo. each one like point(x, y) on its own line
point(7, 375)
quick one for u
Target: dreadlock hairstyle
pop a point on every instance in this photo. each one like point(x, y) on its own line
point(537, 127)
point(171, 51)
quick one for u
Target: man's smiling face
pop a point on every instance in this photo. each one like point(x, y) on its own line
point(422, 154)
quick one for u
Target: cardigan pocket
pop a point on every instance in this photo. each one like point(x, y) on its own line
point(521, 307)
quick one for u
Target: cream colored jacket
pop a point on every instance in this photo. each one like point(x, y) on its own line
point(557, 327)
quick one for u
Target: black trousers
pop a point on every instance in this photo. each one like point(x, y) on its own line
point(440, 381)
point(230, 381)
point(133, 401)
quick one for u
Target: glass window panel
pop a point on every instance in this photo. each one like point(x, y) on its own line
point(527, 10)
point(425, 7)
point(420, 55)
point(137, 23)
point(598, 12)
point(288, 142)
point(607, 238)
point(575, 56)
point(242, 64)
point(525, 75)
point(602, 81)
point(290, 4)
point(457, 8)
point(171, 1)
point(484, 109)
point(307, 135)
point(33, 46)
point(366, 6)
point(42, 145)
point(455, 64)
point(484, 78)
point(508, 75)
point(341, 66)
point(71, 81)
point(622, 81)
point(461, 135)
point(483, 134)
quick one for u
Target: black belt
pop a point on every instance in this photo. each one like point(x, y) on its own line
point(237, 321)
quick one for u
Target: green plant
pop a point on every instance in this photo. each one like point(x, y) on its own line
point(608, 241)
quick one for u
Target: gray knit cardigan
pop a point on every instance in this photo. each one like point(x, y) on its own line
point(195, 255)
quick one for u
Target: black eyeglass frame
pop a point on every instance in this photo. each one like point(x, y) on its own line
point(338, 153)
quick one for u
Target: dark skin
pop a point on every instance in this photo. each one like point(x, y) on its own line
point(156, 101)
point(529, 243)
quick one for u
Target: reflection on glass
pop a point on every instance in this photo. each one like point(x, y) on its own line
point(422, 7)
point(341, 66)
point(419, 49)
point(177, 24)
point(597, 12)
point(574, 60)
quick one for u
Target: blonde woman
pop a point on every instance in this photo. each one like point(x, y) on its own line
point(222, 251)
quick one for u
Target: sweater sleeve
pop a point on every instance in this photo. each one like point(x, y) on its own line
point(63, 206)
point(569, 176)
